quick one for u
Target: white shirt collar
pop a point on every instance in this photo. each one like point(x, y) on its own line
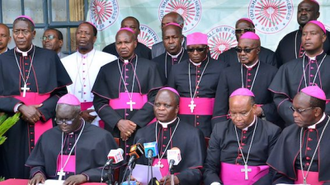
point(251, 66)
point(314, 58)
point(85, 55)
point(254, 120)
point(24, 53)
point(165, 124)
point(176, 56)
point(314, 125)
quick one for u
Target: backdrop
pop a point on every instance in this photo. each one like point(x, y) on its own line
point(273, 19)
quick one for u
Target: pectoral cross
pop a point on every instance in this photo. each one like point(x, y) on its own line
point(24, 88)
point(81, 92)
point(246, 170)
point(60, 174)
point(192, 106)
point(130, 103)
point(160, 164)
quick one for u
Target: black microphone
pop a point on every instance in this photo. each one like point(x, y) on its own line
point(135, 152)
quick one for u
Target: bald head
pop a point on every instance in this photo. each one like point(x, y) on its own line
point(173, 17)
point(307, 10)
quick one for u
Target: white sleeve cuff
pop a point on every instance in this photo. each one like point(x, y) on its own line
point(215, 183)
point(17, 106)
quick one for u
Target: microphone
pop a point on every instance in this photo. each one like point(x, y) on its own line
point(150, 149)
point(136, 151)
point(115, 156)
point(173, 157)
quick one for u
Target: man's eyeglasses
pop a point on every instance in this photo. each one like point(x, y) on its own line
point(24, 32)
point(66, 121)
point(234, 115)
point(49, 37)
point(244, 30)
point(299, 111)
point(246, 50)
point(199, 50)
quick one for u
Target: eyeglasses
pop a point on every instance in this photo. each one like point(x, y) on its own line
point(49, 37)
point(299, 111)
point(24, 32)
point(244, 30)
point(199, 50)
point(66, 121)
point(234, 115)
point(246, 50)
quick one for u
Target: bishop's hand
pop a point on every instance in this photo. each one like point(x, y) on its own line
point(87, 117)
point(37, 178)
point(168, 180)
point(75, 180)
point(30, 113)
point(126, 126)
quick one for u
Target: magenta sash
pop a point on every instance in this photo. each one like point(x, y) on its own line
point(231, 174)
point(312, 178)
point(164, 169)
point(204, 106)
point(32, 98)
point(121, 102)
point(70, 166)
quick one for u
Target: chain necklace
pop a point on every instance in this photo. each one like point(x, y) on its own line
point(166, 61)
point(317, 71)
point(192, 96)
point(246, 170)
point(254, 78)
point(129, 94)
point(83, 78)
point(61, 172)
point(24, 88)
point(300, 151)
point(168, 144)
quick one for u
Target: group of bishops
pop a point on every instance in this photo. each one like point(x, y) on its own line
point(72, 107)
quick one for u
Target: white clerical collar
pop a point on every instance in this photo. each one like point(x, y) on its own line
point(24, 53)
point(314, 57)
point(176, 56)
point(198, 64)
point(165, 124)
point(254, 120)
point(4, 51)
point(251, 66)
point(86, 54)
point(314, 125)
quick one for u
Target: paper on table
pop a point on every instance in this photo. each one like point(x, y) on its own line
point(52, 182)
point(140, 173)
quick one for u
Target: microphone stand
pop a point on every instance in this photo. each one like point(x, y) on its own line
point(172, 176)
point(110, 176)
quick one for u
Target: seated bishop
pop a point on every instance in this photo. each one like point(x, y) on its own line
point(239, 147)
point(72, 151)
point(169, 132)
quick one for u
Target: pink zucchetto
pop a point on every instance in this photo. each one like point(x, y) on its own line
point(174, 24)
point(170, 89)
point(126, 29)
point(250, 35)
point(69, 99)
point(242, 92)
point(26, 17)
point(196, 38)
point(319, 24)
point(314, 91)
point(246, 19)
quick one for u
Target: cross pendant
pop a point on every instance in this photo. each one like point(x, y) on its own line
point(60, 174)
point(81, 92)
point(192, 106)
point(24, 88)
point(246, 170)
point(160, 164)
point(130, 103)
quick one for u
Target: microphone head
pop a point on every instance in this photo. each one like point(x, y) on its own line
point(174, 154)
point(150, 147)
point(116, 155)
point(136, 150)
